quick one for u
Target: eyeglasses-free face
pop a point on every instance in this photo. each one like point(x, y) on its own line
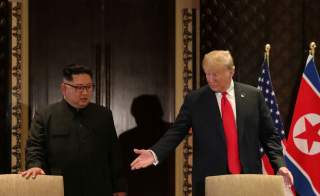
point(219, 77)
point(78, 92)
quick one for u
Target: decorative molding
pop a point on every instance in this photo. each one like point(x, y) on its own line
point(16, 75)
point(188, 84)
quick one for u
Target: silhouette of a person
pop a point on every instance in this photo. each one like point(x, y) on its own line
point(148, 113)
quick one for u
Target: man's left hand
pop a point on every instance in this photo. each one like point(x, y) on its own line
point(287, 176)
point(120, 194)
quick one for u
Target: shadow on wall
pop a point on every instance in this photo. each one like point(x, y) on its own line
point(155, 181)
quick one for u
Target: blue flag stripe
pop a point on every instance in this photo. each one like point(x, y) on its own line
point(312, 73)
point(302, 185)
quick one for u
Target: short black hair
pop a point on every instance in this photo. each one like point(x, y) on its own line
point(74, 69)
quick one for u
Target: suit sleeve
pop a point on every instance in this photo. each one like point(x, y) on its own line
point(36, 143)
point(269, 137)
point(119, 182)
point(176, 133)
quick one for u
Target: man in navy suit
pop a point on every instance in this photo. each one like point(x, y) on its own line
point(202, 110)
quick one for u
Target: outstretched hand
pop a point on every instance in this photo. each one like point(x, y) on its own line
point(144, 159)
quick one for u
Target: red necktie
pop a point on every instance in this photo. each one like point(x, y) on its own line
point(230, 131)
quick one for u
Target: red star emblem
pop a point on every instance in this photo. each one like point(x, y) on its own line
point(310, 134)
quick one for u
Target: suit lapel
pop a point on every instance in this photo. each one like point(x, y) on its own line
point(240, 98)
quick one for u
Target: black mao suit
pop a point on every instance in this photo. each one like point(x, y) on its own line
point(81, 145)
point(200, 111)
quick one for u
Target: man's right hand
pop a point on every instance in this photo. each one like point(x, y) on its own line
point(144, 159)
point(33, 172)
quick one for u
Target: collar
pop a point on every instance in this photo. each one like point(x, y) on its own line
point(230, 90)
point(73, 109)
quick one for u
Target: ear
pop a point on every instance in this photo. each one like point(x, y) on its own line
point(232, 71)
point(63, 89)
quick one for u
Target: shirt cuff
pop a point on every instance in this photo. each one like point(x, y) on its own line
point(156, 161)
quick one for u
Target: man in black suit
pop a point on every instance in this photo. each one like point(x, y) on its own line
point(202, 110)
point(76, 139)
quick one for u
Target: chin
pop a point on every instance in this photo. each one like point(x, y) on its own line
point(83, 105)
point(214, 88)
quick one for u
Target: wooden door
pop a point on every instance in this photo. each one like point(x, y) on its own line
point(61, 32)
point(129, 45)
point(5, 88)
point(141, 40)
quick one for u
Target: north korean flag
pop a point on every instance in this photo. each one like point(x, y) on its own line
point(303, 143)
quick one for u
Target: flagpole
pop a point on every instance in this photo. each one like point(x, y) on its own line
point(267, 52)
point(312, 48)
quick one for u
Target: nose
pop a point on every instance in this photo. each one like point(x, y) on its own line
point(85, 91)
point(211, 78)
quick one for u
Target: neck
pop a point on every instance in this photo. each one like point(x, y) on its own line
point(72, 105)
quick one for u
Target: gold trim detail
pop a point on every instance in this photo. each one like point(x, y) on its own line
point(16, 75)
point(187, 87)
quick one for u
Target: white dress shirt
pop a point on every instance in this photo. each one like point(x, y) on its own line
point(231, 98)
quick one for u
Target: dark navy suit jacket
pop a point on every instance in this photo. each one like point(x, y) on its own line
point(200, 111)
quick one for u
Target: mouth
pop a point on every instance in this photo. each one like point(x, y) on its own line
point(84, 99)
point(213, 86)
